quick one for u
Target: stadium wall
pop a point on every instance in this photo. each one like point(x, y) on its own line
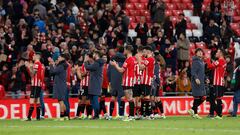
point(17, 108)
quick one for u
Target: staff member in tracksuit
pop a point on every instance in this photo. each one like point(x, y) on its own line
point(115, 80)
point(95, 67)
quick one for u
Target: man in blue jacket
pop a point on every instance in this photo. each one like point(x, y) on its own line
point(95, 67)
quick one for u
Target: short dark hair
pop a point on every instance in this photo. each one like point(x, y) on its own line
point(140, 48)
point(67, 56)
point(129, 48)
point(98, 53)
point(149, 48)
point(222, 51)
point(121, 49)
point(198, 50)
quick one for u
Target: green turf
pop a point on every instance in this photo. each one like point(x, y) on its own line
point(169, 126)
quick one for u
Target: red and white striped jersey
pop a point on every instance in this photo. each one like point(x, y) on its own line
point(85, 79)
point(219, 67)
point(138, 73)
point(128, 75)
point(148, 72)
point(37, 79)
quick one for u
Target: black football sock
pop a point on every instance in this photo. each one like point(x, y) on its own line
point(131, 108)
point(154, 107)
point(89, 110)
point(148, 108)
point(62, 114)
point(38, 111)
point(102, 107)
point(112, 104)
point(196, 103)
point(122, 107)
point(78, 110)
point(219, 107)
point(160, 106)
point(30, 111)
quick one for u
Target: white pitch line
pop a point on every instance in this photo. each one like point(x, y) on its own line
point(129, 127)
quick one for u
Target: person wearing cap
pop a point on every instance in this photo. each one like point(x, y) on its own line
point(197, 82)
point(181, 26)
point(59, 70)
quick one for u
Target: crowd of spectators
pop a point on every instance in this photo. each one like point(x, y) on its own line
point(77, 27)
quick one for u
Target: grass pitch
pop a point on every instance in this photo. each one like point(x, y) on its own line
point(169, 126)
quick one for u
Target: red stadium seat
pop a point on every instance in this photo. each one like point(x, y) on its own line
point(130, 6)
point(168, 12)
point(132, 19)
point(114, 1)
point(189, 6)
point(143, 1)
point(148, 19)
point(206, 2)
point(238, 32)
point(133, 25)
point(176, 12)
point(192, 48)
point(181, 6)
point(171, 6)
point(191, 26)
point(234, 26)
point(127, 12)
point(138, 18)
point(133, 1)
point(139, 6)
point(144, 13)
point(134, 13)
point(236, 19)
point(186, 1)
point(175, 1)
point(201, 45)
point(167, 1)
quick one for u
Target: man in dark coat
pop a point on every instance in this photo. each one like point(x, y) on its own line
point(181, 26)
point(198, 82)
point(60, 85)
point(95, 67)
point(115, 79)
point(197, 7)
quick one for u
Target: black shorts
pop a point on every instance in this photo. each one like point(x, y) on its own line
point(35, 92)
point(219, 91)
point(137, 90)
point(105, 92)
point(117, 92)
point(127, 87)
point(146, 90)
point(83, 92)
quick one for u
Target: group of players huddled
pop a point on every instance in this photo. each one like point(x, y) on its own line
point(132, 79)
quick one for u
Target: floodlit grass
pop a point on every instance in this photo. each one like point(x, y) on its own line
point(169, 126)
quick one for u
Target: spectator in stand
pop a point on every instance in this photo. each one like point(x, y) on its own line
point(142, 29)
point(168, 28)
point(183, 84)
point(216, 15)
point(183, 50)
point(229, 73)
point(215, 4)
point(122, 3)
point(214, 46)
point(181, 26)
point(5, 77)
point(158, 11)
point(197, 7)
point(211, 30)
point(226, 34)
point(205, 17)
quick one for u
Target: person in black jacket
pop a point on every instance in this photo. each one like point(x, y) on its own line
point(181, 26)
point(197, 7)
point(236, 83)
point(142, 29)
point(95, 67)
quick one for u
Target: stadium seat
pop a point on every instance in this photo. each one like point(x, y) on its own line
point(132, 19)
point(175, 1)
point(206, 2)
point(171, 6)
point(176, 12)
point(167, 1)
point(168, 12)
point(130, 6)
point(234, 26)
point(133, 1)
point(181, 6)
point(197, 33)
point(196, 20)
point(139, 6)
point(144, 13)
point(188, 33)
point(201, 45)
point(188, 13)
point(186, 1)
point(132, 33)
point(192, 48)
point(134, 13)
point(236, 19)
point(138, 18)
point(238, 32)
point(133, 25)
point(189, 6)
point(143, 1)
point(148, 19)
